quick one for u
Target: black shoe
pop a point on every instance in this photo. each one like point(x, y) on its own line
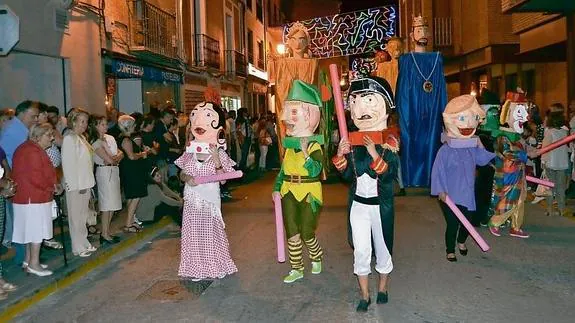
point(363, 305)
point(463, 252)
point(114, 240)
point(451, 259)
point(382, 298)
point(401, 192)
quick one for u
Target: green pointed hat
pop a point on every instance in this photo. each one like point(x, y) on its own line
point(304, 92)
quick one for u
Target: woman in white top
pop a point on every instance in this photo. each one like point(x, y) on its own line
point(106, 160)
point(556, 162)
point(78, 169)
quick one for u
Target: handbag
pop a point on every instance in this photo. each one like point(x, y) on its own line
point(543, 191)
point(92, 213)
point(54, 210)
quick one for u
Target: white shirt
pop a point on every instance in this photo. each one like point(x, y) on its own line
point(366, 186)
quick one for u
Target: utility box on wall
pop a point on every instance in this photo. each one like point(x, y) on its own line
point(9, 30)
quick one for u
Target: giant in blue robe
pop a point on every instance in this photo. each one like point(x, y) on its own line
point(420, 115)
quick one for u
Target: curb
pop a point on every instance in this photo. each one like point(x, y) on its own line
point(78, 273)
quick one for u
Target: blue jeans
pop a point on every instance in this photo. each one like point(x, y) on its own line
point(8, 230)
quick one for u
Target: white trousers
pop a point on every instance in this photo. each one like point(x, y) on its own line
point(365, 225)
point(263, 155)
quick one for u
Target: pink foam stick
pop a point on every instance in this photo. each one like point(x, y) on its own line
point(280, 240)
point(539, 181)
point(218, 177)
point(482, 244)
point(556, 144)
point(339, 111)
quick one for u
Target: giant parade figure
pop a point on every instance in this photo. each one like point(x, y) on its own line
point(369, 161)
point(421, 97)
point(298, 65)
point(298, 182)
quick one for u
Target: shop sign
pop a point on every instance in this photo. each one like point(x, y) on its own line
point(258, 88)
point(252, 70)
point(131, 70)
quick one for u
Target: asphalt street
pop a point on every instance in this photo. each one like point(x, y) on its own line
point(519, 280)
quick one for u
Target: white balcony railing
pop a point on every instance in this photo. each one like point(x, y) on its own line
point(442, 32)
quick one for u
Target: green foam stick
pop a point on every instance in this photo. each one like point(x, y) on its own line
point(293, 142)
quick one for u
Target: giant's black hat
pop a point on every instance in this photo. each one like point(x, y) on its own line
point(373, 84)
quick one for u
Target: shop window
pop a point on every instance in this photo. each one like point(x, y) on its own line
point(160, 95)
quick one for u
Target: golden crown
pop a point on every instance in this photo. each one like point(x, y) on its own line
point(419, 21)
point(297, 26)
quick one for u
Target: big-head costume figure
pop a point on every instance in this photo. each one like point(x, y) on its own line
point(205, 251)
point(509, 186)
point(453, 172)
point(298, 181)
point(369, 162)
point(421, 96)
point(489, 102)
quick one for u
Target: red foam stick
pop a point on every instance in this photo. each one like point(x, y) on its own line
point(339, 111)
point(556, 144)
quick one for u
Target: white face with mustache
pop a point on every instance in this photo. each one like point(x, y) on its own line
point(368, 111)
point(204, 123)
point(518, 115)
point(420, 35)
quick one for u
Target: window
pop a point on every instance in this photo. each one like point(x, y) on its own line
point(260, 10)
point(276, 19)
point(261, 55)
point(249, 4)
point(250, 46)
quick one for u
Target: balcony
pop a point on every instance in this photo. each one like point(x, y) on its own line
point(154, 30)
point(206, 52)
point(236, 64)
point(551, 6)
point(442, 32)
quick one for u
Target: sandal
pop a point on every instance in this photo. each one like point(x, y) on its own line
point(93, 230)
point(53, 244)
point(7, 287)
point(131, 229)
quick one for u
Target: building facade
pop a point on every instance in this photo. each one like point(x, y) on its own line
point(137, 54)
point(487, 47)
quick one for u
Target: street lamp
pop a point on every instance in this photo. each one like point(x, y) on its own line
point(281, 49)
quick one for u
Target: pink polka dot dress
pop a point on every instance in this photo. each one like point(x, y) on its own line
point(205, 252)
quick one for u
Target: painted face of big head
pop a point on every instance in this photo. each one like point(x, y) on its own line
point(517, 116)
point(394, 48)
point(368, 111)
point(300, 118)
point(298, 40)
point(370, 102)
point(420, 35)
point(207, 123)
point(462, 116)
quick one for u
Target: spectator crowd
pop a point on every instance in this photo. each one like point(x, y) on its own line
point(87, 164)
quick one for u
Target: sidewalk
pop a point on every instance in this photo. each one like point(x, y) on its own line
point(32, 289)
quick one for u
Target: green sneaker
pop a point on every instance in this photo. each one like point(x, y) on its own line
point(316, 267)
point(293, 276)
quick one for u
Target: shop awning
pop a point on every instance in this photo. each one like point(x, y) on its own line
point(552, 6)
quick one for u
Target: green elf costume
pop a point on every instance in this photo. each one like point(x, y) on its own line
point(298, 181)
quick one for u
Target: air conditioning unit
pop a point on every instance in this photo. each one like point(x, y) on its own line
point(68, 4)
